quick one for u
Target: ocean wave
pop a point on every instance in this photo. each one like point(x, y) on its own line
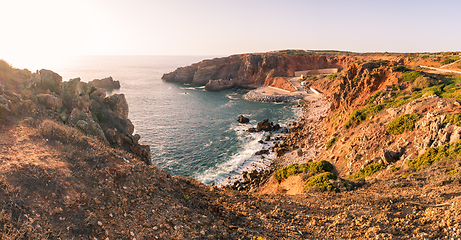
point(187, 88)
point(232, 96)
point(243, 160)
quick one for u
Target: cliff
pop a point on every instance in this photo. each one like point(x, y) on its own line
point(378, 157)
point(251, 70)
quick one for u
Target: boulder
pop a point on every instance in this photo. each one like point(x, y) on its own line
point(299, 153)
point(221, 84)
point(50, 101)
point(98, 95)
point(14, 102)
point(84, 122)
point(264, 125)
point(29, 107)
point(118, 104)
point(50, 80)
point(71, 90)
point(261, 152)
point(242, 119)
point(389, 156)
point(105, 83)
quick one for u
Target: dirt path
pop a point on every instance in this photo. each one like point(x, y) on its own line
point(441, 70)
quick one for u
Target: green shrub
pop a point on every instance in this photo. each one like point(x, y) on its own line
point(423, 82)
point(360, 115)
point(288, 171)
point(394, 169)
point(411, 76)
point(402, 123)
point(449, 60)
point(454, 118)
point(314, 167)
point(332, 76)
point(331, 142)
point(367, 171)
point(399, 68)
point(320, 166)
point(322, 181)
point(432, 155)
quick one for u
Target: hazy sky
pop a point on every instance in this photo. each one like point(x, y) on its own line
point(34, 29)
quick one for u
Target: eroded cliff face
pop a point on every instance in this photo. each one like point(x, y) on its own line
point(250, 70)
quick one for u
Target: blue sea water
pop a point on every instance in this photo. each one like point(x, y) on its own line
point(191, 131)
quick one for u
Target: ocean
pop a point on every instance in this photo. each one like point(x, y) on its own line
point(191, 132)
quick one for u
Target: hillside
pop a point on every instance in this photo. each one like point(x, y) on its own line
point(378, 157)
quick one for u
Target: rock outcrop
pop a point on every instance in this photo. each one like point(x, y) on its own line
point(105, 83)
point(250, 70)
point(80, 105)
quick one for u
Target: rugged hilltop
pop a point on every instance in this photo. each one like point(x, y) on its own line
point(377, 157)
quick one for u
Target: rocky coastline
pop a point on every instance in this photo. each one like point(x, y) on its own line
point(259, 97)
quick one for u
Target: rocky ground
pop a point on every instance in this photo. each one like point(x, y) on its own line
point(64, 179)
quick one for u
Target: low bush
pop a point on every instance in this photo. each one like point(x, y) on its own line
point(360, 115)
point(314, 167)
point(367, 171)
point(395, 169)
point(432, 155)
point(322, 181)
point(402, 123)
point(423, 82)
point(332, 76)
point(399, 68)
point(449, 60)
point(411, 76)
point(454, 118)
point(331, 142)
point(58, 132)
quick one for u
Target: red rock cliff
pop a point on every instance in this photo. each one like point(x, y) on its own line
point(251, 70)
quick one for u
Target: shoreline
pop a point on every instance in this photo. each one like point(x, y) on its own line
point(259, 160)
point(310, 117)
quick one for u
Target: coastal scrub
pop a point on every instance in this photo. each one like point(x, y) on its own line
point(402, 123)
point(367, 171)
point(314, 167)
point(454, 118)
point(322, 181)
point(331, 142)
point(411, 76)
point(432, 155)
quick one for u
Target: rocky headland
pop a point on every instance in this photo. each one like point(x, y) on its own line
point(377, 158)
point(252, 70)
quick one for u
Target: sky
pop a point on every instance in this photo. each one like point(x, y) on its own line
point(52, 29)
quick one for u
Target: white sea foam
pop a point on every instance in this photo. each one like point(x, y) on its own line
point(187, 88)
